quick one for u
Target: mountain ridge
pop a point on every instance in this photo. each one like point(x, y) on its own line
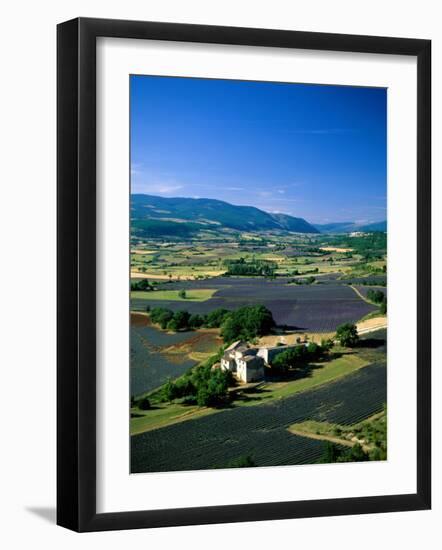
point(170, 214)
point(350, 227)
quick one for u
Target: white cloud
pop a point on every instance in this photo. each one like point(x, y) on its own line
point(155, 188)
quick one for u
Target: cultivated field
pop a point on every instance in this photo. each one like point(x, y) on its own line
point(260, 431)
point(157, 356)
point(364, 289)
point(314, 308)
point(308, 289)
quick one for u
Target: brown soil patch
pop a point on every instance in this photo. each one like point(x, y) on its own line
point(324, 437)
point(139, 320)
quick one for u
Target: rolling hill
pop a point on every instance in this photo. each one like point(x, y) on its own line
point(180, 216)
point(349, 227)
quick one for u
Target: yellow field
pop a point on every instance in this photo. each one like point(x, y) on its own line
point(334, 249)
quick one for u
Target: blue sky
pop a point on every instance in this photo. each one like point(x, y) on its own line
point(317, 152)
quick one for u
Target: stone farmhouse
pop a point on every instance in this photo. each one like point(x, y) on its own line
point(248, 363)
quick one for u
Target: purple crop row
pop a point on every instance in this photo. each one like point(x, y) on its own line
point(260, 430)
point(317, 308)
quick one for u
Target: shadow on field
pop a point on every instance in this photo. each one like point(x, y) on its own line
point(143, 412)
point(304, 371)
point(371, 343)
point(251, 394)
point(283, 329)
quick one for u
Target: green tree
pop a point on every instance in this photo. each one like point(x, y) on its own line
point(355, 454)
point(142, 284)
point(169, 392)
point(211, 386)
point(246, 323)
point(329, 454)
point(327, 344)
point(182, 294)
point(196, 321)
point(314, 351)
point(347, 334)
point(179, 321)
point(291, 358)
point(144, 404)
point(376, 296)
point(164, 318)
point(161, 316)
point(216, 317)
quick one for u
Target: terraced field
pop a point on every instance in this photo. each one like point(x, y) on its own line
point(261, 430)
point(316, 308)
point(157, 355)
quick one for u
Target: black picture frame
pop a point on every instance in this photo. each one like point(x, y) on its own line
point(76, 274)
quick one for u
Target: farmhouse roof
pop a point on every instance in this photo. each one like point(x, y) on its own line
point(250, 359)
point(250, 352)
point(236, 345)
point(284, 346)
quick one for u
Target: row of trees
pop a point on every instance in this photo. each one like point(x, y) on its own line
point(368, 282)
point(257, 268)
point(300, 355)
point(142, 284)
point(178, 320)
point(245, 323)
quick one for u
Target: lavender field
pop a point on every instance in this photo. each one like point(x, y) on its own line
point(156, 356)
point(316, 308)
point(364, 289)
point(261, 430)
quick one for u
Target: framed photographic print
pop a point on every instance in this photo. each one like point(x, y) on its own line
point(243, 218)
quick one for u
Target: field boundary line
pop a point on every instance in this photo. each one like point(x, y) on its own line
point(362, 296)
point(324, 437)
point(373, 329)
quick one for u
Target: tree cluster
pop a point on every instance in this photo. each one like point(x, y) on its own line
point(300, 355)
point(369, 282)
point(183, 320)
point(378, 297)
point(204, 385)
point(347, 334)
point(245, 323)
point(254, 268)
point(333, 453)
point(142, 284)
